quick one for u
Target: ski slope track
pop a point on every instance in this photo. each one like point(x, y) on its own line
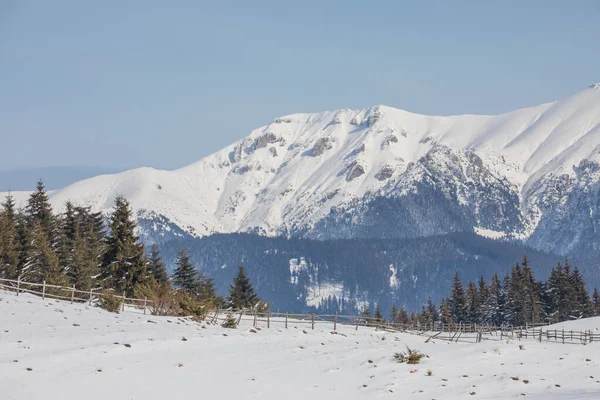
point(530, 174)
point(56, 350)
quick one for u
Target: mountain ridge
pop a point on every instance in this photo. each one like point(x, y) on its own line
point(305, 171)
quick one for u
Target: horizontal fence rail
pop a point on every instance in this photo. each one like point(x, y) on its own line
point(72, 294)
point(470, 333)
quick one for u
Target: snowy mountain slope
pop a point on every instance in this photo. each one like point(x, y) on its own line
point(343, 173)
point(76, 351)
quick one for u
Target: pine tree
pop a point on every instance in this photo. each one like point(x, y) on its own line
point(241, 292)
point(492, 311)
point(9, 246)
point(156, 266)
point(68, 232)
point(185, 276)
point(378, 314)
point(584, 306)
point(473, 304)
point(124, 263)
point(535, 290)
point(207, 292)
point(39, 212)
point(394, 314)
point(92, 235)
point(445, 314)
point(457, 301)
point(43, 264)
point(596, 301)
point(403, 316)
point(432, 312)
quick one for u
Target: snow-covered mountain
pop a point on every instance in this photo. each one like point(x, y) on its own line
point(381, 172)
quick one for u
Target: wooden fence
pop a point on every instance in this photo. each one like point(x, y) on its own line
point(472, 333)
point(71, 294)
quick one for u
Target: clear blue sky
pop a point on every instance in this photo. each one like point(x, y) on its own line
point(164, 83)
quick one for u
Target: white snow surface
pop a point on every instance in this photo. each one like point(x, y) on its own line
point(77, 351)
point(290, 173)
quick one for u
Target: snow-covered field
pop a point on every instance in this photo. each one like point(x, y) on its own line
point(54, 350)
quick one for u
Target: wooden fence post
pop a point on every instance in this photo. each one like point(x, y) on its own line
point(286, 318)
point(18, 285)
point(335, 321)
point(123, 305)
point(91, 294)
point(312, 320)
point(73, 294)
point(145, 302)
point(43, 289)
point(254, 323)
point(269, 319)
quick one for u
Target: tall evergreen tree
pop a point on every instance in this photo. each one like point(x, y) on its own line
point(432, 312)
point(457, 301)
point(186, 276)
point(445, 314)
point(124, 263)
point(584, 307)
point(241, 292)
point(473, 304)
point(39, 212)
point(378, 314)
point(596, 301)
point(43, 264)
point(394, 314)
point(403, 317)
point(492, 309)
point(9, 246)
point(156, 266)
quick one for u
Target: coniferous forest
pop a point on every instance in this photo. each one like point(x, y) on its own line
point(93, 251)
point(517, 299)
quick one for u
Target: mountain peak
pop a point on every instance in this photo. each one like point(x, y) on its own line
point(595, 85)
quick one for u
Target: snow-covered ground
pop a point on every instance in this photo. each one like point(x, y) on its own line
point(54, 350)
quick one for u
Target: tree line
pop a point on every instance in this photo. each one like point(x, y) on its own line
point(93, 251)
point(517, 299)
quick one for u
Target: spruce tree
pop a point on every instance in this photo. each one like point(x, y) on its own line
point(9, 246)
point(378, 314)
point(394, 314)
point(68, 232)
point(403, 316)
point(241, 292)
point(493, 310)
point(185, 276)
point(584, 307)
point(596, 301)
point(43, 264)
point(156, 266)
point(432, 312)
point(473, 304)
point(457, 301)
point(39, 212)
point(445, 314)
point(124, 263)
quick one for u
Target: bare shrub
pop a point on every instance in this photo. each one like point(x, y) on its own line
point(410, 356)
point(190, 305)
point(110, 302)
point(162, 299)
